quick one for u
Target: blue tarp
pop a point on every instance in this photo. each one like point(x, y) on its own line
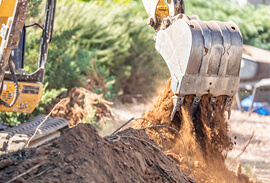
point(259, 107)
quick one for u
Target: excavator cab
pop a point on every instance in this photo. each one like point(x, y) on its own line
point(21, 91)
point(204, 57)
point(18, 54)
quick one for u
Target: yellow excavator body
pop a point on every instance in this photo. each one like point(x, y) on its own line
point(21, 91)
point(30, 94)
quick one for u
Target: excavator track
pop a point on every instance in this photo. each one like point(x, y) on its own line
point(16, 138)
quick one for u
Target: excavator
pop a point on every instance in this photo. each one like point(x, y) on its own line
point(21, 91)
point(203, 57)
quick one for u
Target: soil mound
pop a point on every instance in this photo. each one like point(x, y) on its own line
point(82, 105)
point(205, 136)
point(81, 155)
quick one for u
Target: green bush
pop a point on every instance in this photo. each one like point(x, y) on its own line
point(252, 20)
point(114, 34)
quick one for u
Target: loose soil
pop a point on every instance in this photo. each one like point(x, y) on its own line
point(205, 136)
point(81, 155)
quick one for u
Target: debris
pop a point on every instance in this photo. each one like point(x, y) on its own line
point(244, 148)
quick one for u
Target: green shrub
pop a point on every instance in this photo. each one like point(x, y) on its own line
point(114, 34)
point(252, 20)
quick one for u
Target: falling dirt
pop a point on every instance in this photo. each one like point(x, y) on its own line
point(81, 155)
point(205, 137)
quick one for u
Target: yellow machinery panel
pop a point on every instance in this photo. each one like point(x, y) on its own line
point(7, 8)
point(6, 11)
point(29, 96)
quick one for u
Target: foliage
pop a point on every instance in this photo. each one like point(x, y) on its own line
point(252, 20)
point(114, 35)
point(249, 170)
point(92, 121)
point(34, 8)
point(49, 95)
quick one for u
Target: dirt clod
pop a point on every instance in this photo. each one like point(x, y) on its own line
point(5, 163)
point(40, 150)
point(69, 158)
point(70, 169)
point(196, 164)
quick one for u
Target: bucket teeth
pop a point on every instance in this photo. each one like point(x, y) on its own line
point(195, 105)
point(228, 104)
point(177, 102)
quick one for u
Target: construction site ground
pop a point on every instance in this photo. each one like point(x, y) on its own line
point(155, 149)
point(255, 160)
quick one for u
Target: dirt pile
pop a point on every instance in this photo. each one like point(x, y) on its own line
point(81, 155)
point(82, 105)
point(205, 136)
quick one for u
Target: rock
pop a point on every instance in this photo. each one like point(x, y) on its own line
point(70, 170)
point(69, 158)
point(125, 164)
point(196, 164)
point(5, 163)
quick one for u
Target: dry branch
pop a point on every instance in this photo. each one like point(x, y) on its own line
point(244, 148)
point(24, 173)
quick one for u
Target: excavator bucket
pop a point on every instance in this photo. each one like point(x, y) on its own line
point(203, 57)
